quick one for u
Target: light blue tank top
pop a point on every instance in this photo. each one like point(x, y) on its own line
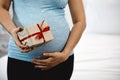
point(29, 12)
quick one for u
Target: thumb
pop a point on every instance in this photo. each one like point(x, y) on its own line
point(48, 54)
point(18, 29)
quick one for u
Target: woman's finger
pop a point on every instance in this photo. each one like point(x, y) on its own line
point(26, 50)
point(42, 60)
point(41, 66)
point(19, 44)
point(16, 39)
point(18, 29)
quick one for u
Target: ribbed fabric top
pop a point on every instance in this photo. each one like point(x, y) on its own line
point(29, 12)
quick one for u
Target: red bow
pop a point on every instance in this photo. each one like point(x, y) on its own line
point(39, 35)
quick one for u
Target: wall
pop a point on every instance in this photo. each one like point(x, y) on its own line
point(103, 16)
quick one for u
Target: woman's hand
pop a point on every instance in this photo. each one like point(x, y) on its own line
point(23, 48)
point(52, 60)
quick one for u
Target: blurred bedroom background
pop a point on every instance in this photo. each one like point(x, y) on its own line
point(97, 55)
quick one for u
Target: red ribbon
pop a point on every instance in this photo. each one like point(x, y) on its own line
point(39, 35)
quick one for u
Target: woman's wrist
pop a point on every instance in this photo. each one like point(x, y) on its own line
point(66, 54)
point(12, 31)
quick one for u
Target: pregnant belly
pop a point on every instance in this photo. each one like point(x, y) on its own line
point(60, 34)
point(59, 29)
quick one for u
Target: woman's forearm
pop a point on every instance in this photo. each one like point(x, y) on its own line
point(6, 21)
point(74, 36)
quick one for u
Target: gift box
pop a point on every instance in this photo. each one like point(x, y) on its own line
point(36, 34)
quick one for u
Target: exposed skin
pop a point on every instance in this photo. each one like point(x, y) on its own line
point(8, 24)
point(54, 58)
